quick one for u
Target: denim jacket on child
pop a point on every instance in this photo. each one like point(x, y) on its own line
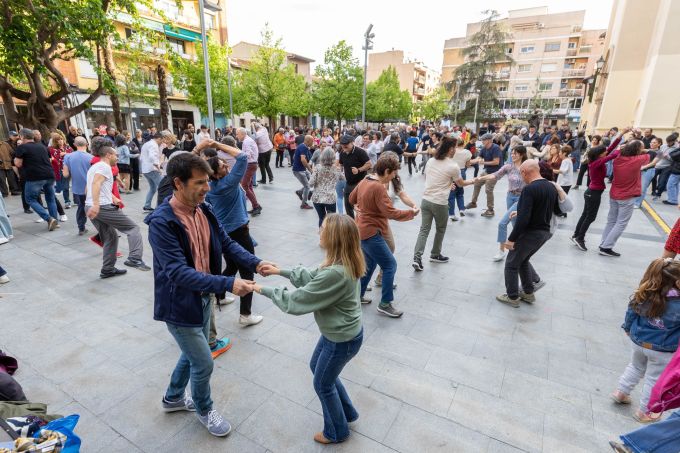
point(660, 334)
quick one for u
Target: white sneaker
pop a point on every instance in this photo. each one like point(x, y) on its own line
point(500, 256)
point(4, 240)
point(226, 301)
point(63, 218)
point(453, 218)
point(39, 220)
point(250, 320)
point(4, 279)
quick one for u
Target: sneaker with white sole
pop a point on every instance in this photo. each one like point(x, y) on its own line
point(52, 224)
point(63, 218)
point(500, 256)
point(250, 320)
point(417, 264)
point(504, 298)
point(366, 301)
point(226, 301)
point(369, 288)
point(216, 424)
point(528, 298)
point(453, 218)
point(4, 279)
point(439, 258)
point(184, 404)
point(538, 285)
point(39, 220)
point(389, 310)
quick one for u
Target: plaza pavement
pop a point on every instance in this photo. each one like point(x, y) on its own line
point(459, 372)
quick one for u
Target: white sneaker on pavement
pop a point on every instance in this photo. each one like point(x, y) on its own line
point(250, 320)
point(63, 218)
point(216, 424)
point(500, 256)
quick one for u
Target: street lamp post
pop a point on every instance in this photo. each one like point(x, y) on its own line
point(231, 103)
point(457, 103)
point(476, 106)
point(206, 69)
point(368, 45)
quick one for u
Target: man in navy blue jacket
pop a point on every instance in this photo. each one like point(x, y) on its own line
point(188, 243)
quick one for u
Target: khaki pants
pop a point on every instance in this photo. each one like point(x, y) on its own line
point(489, 186)
point(428, 212)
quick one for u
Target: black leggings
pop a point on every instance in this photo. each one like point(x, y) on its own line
point(581, 173)
point(592, 205)
point(265, 170)
point(242, 237)
point(279, 158)
point(411, 160)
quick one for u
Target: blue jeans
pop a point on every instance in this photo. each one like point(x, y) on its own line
point(33, 189)
point(328, 360)
point(340, 196)
point(63, 186)
point(255, 179)
point(660, 437)
point(457, 196)
point(672, 188)
point(195, 362)
point(323, 209)
point(377, 253)
point(81, 218)
point(154, 179)
point(647, 177)
point(511, 204)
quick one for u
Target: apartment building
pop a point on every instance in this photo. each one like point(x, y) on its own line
point(551, 56)
point(638, 84)
point(414, 76)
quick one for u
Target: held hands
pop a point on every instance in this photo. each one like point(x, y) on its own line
point(242, 287)
point(265, 269)
point(416, 210)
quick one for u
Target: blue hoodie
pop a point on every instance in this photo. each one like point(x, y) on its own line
point(178, 286)
point(227, 198)
point(659, 334)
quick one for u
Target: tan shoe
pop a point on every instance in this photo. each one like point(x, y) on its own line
point(620, 398)
point(650, 417)
point(319, 437)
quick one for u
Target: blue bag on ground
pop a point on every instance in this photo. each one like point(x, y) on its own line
point(66, 425)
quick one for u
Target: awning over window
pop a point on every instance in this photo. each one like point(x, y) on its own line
point(181, 33)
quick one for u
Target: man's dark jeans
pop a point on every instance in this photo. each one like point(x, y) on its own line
point(81, 218)
point(517, 262)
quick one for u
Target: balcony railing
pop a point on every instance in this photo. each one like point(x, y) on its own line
point(574, 73)
point(572, 52)
point(569, 92)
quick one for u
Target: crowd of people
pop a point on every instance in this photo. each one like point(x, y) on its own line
point(202, 186)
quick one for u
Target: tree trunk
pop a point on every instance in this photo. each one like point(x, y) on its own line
point(272, 126)
point(163, 96)
point(115, 101)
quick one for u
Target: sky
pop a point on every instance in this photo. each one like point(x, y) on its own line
point(309, 27)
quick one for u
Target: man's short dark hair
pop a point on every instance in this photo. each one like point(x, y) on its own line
point(183, 166)
point(105, 150)
point(26, 134)
point(97, 144)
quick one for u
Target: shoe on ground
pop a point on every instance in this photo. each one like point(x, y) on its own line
point(271, 181)
point(250, 320)
point(52, 224)
point(609, 252)
point(369, 288)
point(538, 285)
point(620, 398)
point(216, 424)
point(83, 233)
point(500, 256)
point(305, 206)
point(39, 220)
point(417, 264)
point(646, 417)
point(95, 239)
point(63, 218)
point(4, 279)
point(365, 300)
point(488, 213)
point(114, 273)
point(261, 181)
point(255, 211)
point(471, 205)
point(147, 209)
point(220, 347)
point(619, 447)
point(635, 206)
point(439, 258)
point(184, 404)
point(299, 194)
point(462, 213)
point(320, 438)
point(226, 301)
point(389, 310)
point(378, 284)
point(504, 298)
point(67, 206)
point(28, 211)
point(4, 241)
point(580, 243)
point(453, 218)
point(669, 202)
point(137, 264)
point(528, 298)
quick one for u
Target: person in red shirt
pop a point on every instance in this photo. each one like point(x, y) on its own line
point(626, 187)
point(58, 150)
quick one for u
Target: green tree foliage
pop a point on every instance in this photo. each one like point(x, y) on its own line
point(338, 90)
point(34, 36)
point(270, 85)
point(478, 76)
point(434, 106)
point(385, 100)
point(132, 77)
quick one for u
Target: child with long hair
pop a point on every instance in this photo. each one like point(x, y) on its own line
point(331, 292)
point(653, 324)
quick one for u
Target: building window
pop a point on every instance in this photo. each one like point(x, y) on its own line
point(177, 45)
point(503, 89)
point(571, 45)
point(545, 86)
point(508, 50)
point(552, 47)
point(522, 88)
point(524, 68)
point(527, 49)
point(585, 49)
point(549, 67)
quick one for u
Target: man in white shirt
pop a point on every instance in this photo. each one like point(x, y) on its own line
point(202, 135)
point(249, 147)
point(103, 210)
point(150, 161)
point(264, 148)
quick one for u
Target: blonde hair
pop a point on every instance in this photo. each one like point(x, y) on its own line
point(340, 238)
point(54, 136)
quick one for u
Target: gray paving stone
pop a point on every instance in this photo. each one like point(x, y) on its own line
point(571, 435)
point(605, 356)
point(571, 372)
point(496, 446)
point(95, 434)
point(287, 377)
point(522, 357)
point(122, 445)
point(399, 348)
point(235, 397)
point(474, 372)
point(497, 418)
point(75, 360)
point(194, 437)
point(289, 340)
point(433, 434)
point(417, 388)
point(364, 367)
point(244, 358)
point(44, 391)
point(446, 335)
point(588, 330)
point(552, 341)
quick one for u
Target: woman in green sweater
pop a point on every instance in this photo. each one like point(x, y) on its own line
point(331, 292)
